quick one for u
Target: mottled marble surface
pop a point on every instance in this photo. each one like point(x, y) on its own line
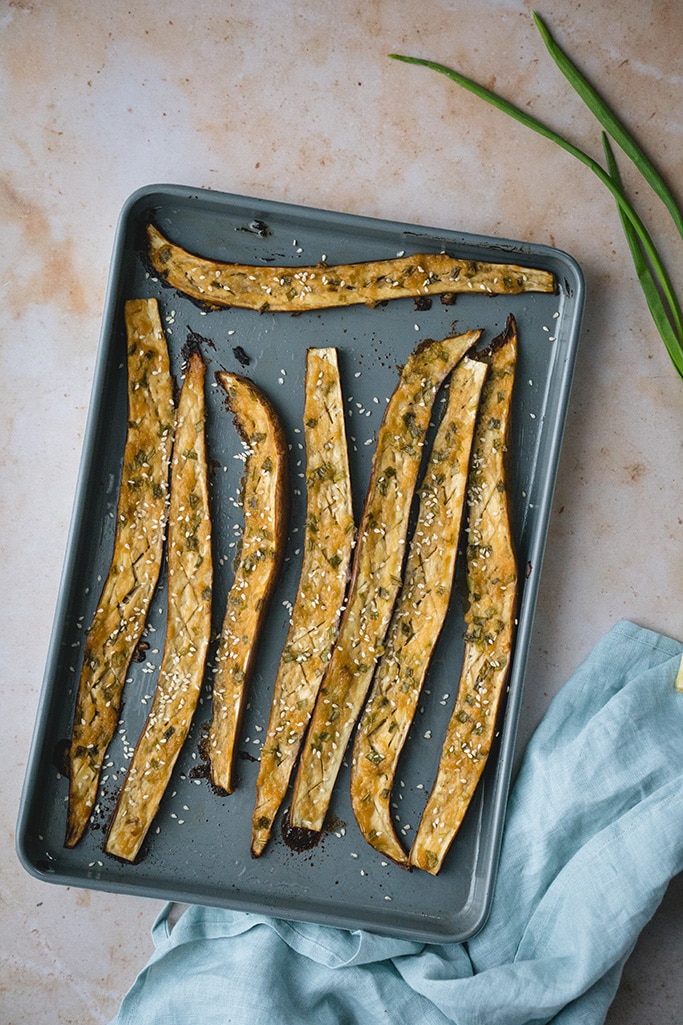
point(298, 102)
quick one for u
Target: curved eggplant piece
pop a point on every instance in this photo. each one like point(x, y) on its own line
point(376, 575)
point(188, 627)
point(328, 545)
point(418, 616)
point(490, 618)
point(296, 289)
point(265, 494)
point(141, 517)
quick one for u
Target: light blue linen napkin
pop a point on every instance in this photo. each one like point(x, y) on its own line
point(593, 835)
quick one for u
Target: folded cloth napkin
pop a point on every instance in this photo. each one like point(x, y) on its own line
point(594, 833)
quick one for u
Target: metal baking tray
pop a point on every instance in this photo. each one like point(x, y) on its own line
point(198, 848)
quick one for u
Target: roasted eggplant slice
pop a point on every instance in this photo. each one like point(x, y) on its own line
point(328, 545)
point(141, 516)
point(296, 289)
point(188, 627)
point(265, 494)
point(376, 575)
point(418, 616)
point(492, 590)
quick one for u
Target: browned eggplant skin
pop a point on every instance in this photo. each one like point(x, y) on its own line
point(490, 618)
point(141, 515)
point(265, 501)
point(297, 289)
point(188, 627)
point(418, 616)
point(376, 574)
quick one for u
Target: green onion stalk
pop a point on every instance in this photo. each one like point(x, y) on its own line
point(661, 298)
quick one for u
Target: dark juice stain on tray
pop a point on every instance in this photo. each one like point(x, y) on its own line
point(297, 838)
point(139, 653)
point(241, 356)
point(202, 770)
point(256, 227)
point(195, 343)
point(60, 756)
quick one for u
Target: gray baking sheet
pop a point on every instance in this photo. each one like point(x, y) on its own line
point(198, 848)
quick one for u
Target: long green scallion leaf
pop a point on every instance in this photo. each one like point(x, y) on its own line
point(647, 282)
point(611, 123)
point(652, 274)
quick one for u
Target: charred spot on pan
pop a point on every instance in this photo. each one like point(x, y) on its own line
point(60, 756)
point(256, 227)
point(195, 343)
point(422, 302)
point(297, 838)
point(333, 824)
point(203, 771)
point(242, 357)
point(508, 331)
point(139, 652)
point(141, 247)
point(43, 865)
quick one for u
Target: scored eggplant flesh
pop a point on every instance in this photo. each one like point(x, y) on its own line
point(328, 545)
point(188, 626)
point(376, 574)
point(490, 617)
point(264, 502)
point(296, 289)
point(418, 616)
point(141, 514)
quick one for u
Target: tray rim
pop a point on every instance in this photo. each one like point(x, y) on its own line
point(526, 252)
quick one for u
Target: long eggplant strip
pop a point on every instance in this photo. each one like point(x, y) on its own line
point(141, 515)
point(328, 546)
point(492, 593)
point(296, 289)
point(265, 504)
point(188, 627)
point(418, 616)
point(376, 574)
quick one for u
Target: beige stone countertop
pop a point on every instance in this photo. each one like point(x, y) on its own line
point(297, 102)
